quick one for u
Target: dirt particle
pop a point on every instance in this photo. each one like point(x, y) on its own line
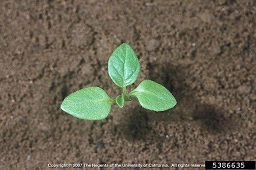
point(81, 35)
point(244, 89)
point(205, 16)
point(153, 44)
point(210, 84)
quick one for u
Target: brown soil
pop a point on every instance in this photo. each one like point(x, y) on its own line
point(202, 51)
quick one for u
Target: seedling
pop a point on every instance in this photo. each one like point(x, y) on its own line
point(93, 103)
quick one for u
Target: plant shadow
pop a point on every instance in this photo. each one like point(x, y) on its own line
point(135, 125)
point(211, 117)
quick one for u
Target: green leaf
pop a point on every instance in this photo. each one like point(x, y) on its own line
point(123, 66)
point(89, 103)
point(120, 100)
point(154, 96)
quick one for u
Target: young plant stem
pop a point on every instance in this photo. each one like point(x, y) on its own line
point(124, 90)
point(112, 101)
point(126, 95)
